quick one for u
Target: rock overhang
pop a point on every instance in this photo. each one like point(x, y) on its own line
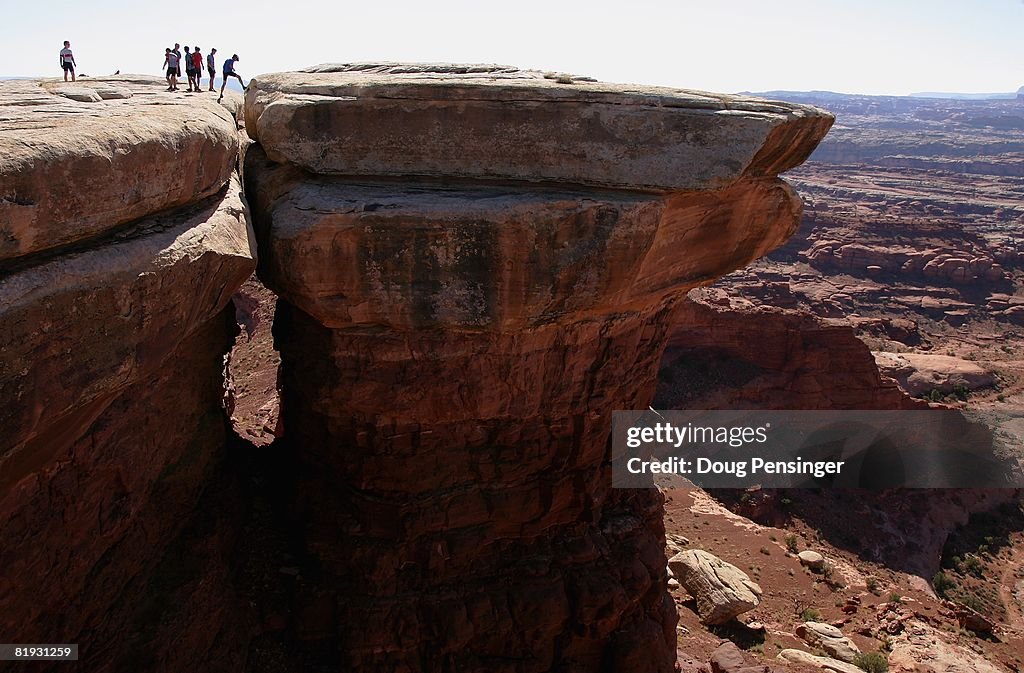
point(498, 257)
point(500, 123)
point(485, 197)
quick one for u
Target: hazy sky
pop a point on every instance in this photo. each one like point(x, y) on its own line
point(867, 46)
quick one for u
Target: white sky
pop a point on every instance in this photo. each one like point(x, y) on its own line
point(864, 46)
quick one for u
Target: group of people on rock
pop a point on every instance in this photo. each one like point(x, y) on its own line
point(194, 64)
point(194, 68)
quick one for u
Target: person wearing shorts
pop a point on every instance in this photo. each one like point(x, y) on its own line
point(177, 52)
point(229, 71)
point(189, 71)
point(171, 65)
point(67, 61)
point(197, 66)
point(211, 66)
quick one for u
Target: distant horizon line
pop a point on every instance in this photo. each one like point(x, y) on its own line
point(973, 95)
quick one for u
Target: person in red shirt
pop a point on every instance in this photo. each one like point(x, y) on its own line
point(197, 65)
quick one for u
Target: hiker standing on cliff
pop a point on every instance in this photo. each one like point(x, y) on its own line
point(229, 71)
point(197, 67)
point(211, 66)
point(177, 52)
point(189, 71)
point(171, 64)
point(67, 61)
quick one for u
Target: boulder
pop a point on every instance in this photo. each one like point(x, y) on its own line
point(722, 590)
point(829, 639)
point(730, 659)
point(811, 559)
point(972, 620)
point(802, 658)
point(727, 659)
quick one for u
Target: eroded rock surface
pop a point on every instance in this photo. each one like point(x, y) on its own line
point(497, 122)
point(920, 373)
point(92, 322)
point(922, 649)
point(452, 349)
point(79, 160)
point(111, 352)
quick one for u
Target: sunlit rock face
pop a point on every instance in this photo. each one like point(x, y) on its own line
point(476, 265)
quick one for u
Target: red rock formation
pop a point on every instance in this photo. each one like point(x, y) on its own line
point(113, 334)
point(452, 351)
point(727, 353)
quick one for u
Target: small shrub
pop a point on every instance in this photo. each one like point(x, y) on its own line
point(872, 662)
point(972, 601)
point(972, 566)
point(943, 584)
point(895, 598)
point(833, 578)
point(872, 584)
point(792, 544)
point(810, 615)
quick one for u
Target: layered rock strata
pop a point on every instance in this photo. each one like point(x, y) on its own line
point(113, 331)
point(72, 170)
point(476, 265)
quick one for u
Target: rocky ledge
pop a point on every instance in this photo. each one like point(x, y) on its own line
point(124, 235)
point(475, 266)
point(500, 123)
point(79, 160)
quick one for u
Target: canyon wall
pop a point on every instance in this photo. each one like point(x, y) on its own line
point(727, 352)
point(475, 266)
point(123, 234)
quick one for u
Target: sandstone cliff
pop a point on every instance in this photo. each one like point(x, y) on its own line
point(476, 265)
point(122, 237)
